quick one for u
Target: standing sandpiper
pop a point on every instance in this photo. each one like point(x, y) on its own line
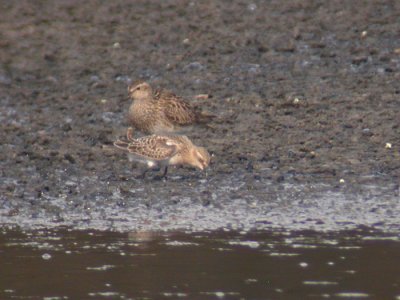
point(161, 112)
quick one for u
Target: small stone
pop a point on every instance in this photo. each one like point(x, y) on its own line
point(388, 146)
point(46, 256)
point(203, 96)
point(116, 45)
point(94, 78)
point(358, 60)
point(5, 79)
point(341, 180)
point(303, 264)
point(108, 116)
point(252, 7)
point(194, 66)
point(123, 78)
point(253, 204)
point(367, 131)
point(364, 34)
point(220, 294)
point(380, 70)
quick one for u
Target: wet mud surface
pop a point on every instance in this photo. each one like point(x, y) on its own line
point(306, 92)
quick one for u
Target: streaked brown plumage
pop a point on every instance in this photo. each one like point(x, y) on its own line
point(165, 150)
point(161, 111)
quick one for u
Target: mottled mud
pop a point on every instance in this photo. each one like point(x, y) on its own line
point(307, 94)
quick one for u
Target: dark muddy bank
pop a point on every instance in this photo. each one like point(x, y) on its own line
point(307, 93)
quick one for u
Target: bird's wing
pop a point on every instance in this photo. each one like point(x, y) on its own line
point(177, 110)
point(121, 144)
point(160, 93)
point(154, 147)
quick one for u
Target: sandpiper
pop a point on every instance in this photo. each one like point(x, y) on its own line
point(163, 151)
point(161, 111)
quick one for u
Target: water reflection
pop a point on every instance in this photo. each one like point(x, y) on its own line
point(220, 265)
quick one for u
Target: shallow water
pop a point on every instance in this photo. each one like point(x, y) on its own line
point(358, 264)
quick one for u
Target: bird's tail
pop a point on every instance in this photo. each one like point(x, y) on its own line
point(121, 144)
point(129, 133)
point(204, 117)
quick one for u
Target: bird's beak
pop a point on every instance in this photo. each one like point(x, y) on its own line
point(200, 166)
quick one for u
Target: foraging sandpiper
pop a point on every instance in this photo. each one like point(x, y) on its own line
point(164, 150)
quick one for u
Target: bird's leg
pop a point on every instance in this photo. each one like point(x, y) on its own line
point(143, 174)
point(129, 134)
point(163, 176)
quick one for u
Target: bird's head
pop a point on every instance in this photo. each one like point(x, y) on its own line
point(140, 90)
point(201, 158)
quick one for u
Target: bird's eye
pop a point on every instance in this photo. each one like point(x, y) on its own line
point(138, 88)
